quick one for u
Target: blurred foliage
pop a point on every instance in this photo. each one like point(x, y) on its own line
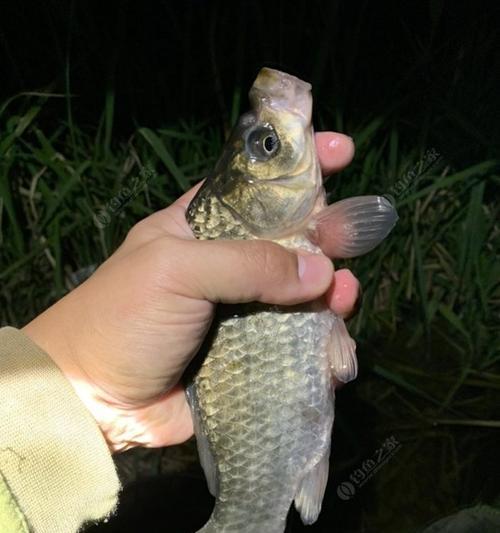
point(414, 86)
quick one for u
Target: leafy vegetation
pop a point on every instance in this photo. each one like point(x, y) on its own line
point(416, 89)
point(428, 327)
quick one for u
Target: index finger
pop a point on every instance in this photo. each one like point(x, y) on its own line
point(335, 151)
point(186, 198)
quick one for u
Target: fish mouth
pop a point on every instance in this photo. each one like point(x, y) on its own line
point(280, 90)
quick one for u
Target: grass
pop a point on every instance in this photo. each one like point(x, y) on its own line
point(427, 331)
point(53, 186)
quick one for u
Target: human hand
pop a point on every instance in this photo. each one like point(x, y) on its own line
point(125, 336)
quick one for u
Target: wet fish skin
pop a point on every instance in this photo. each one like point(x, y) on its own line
point(263, 400)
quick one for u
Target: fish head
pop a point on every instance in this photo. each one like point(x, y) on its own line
point(269, 175)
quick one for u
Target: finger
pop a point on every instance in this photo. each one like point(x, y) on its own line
point(343, 294)
point(172, 219)
point(246, 271)
point(186, 198)
point(335, 151)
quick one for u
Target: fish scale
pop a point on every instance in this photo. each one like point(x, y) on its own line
point(268, 422)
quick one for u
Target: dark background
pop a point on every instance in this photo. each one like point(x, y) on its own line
point(402, 78)
point(411, 61)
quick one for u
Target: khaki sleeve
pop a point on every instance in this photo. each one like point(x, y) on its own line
point(53, 456)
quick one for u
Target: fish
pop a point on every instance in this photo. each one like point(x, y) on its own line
point(262, 398)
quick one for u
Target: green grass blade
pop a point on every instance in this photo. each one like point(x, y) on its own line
point(444, 182)
point(160, 150)
point(23, 123)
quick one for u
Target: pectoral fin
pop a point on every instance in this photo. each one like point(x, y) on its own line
point(206, 458)
point(353, 226)
point(342, 352)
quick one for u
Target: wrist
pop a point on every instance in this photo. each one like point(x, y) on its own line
point(123, 427)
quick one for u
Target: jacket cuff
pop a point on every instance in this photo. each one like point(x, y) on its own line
point(52, 454)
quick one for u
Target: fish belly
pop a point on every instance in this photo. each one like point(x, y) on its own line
point(266, 407)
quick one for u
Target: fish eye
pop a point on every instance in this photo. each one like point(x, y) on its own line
point(270, 143)
point(262, 142)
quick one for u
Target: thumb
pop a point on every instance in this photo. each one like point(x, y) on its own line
point(245, 271)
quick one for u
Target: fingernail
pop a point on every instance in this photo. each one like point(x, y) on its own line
point(313, 268)
point(301, 266)
point(336, 141)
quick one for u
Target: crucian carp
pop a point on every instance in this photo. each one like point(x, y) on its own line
point(263, 397)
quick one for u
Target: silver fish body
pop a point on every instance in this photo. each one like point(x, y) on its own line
point(263, 397)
